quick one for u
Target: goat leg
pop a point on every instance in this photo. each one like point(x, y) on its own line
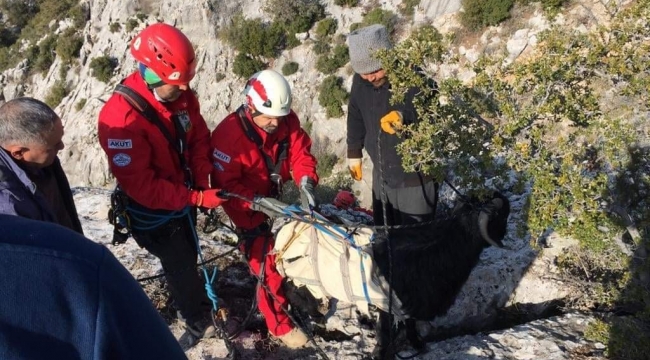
point(412, 334)
point(384, 349)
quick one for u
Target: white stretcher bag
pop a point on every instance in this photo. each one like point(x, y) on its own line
point(331, 263)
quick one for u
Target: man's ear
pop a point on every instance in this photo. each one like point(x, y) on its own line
point(17, 152)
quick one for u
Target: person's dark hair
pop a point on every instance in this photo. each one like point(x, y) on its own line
point(25, 121)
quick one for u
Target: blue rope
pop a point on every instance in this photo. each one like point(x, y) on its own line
point(209, 280)
point(152, 221)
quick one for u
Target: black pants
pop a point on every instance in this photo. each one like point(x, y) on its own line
point(409, 205)
point(173, 243)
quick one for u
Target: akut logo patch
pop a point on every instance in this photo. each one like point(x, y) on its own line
point(120, 144)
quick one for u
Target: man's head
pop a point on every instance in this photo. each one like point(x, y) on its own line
point(167, 60)
point(31, 132)
point(268, 99)
point(363, 44)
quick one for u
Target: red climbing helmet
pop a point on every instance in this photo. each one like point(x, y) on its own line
point(167, 51)
point(344, 200)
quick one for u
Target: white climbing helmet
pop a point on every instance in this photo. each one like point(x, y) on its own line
point(269, 93)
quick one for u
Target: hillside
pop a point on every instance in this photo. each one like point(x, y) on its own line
point(547, 101)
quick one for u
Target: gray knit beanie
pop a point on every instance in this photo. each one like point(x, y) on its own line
point(363, 43)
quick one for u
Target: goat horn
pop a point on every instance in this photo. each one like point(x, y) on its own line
point(483, 218)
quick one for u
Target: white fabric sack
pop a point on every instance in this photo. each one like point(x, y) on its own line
point(330, 264)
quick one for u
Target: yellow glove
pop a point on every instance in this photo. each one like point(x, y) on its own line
point(391, 122)
point(354, 165)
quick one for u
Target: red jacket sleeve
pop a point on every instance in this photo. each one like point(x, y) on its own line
point(198, 145)
point(302, 162)
point(131, 166)
point(227, 172)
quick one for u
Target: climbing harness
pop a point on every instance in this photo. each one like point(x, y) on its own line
point(118, 217)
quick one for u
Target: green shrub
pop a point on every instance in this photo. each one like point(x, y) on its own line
point(348, 3)
point(322, 46)
point(7, 59)
point(379, 16)
point(552, 4)
point(330, 187)
point(326, 27)
point(254, 37)
point(102, 68)
point(7, 36)
point(329, 64)
point(141, 16)
point(407, 7)
point(18, 12)
point(244, 65)
point(131, 24)
point(219, 76)
point(297, 15)
point(79, 15)
point(480, 13)
point(115, 27)
point(289, 68)
point(291, 41)
point(58, 91)
point(80, 104)
point(325, 163)
point(332, 95)
point(68, 45)
point(44, 57)
point(48, 10)
point(552, 7)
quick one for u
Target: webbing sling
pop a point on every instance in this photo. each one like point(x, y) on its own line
point(273, 167)
point(149, 113)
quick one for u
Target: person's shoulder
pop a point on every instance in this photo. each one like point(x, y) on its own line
point(292, 121)
point(12, 178)
point(117, 111)
point(356, 81)
point(229, 130)
point(48, 239)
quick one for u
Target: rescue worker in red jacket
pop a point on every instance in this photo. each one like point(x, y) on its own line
point(163, 178)
point(257, 173)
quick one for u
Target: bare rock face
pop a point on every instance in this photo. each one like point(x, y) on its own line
point(560, 337)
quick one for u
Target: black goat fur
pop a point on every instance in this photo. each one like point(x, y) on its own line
point(431, 264)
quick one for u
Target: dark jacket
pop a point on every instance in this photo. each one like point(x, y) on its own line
point(19, 195)
point(65, 297)
point(366, 107)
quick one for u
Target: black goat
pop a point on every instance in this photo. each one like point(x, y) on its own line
point(430, 264)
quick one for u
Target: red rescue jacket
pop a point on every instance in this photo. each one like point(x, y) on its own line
point(240, 168)
point(140, 157)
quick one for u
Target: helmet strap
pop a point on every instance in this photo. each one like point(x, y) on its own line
point(253, 111)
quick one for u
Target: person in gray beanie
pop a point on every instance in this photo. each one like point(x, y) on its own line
point(372, 123)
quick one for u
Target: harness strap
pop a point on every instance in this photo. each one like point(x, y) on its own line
point(149, 113)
